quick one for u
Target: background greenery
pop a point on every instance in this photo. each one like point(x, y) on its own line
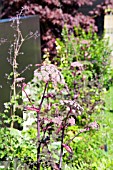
point(83, 61)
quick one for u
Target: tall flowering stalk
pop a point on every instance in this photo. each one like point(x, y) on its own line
point(49, 74)
point(14, 52)
point(46, 73)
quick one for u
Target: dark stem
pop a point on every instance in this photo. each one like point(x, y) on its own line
point(28, 97)
point(61, 151)
point(62, 140)
point(38, 128)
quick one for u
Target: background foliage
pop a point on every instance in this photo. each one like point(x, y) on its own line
point(54, 15)
point(82, 72)
point(85, 63)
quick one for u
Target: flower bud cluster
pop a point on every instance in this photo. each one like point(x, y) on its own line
point(73, 106)
point(49, 73)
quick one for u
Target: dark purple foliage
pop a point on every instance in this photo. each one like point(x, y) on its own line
point(54, 14)
point(101, 8)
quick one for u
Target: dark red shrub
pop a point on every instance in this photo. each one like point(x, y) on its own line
point(54, 14)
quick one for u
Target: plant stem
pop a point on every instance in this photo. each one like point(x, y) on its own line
point(28, 97)
point(38, 128)
point(14, 89)
point(61, 151)
point(18, 41)
point(74, 137)
point(62, 140)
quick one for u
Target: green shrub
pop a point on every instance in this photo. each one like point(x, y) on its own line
point(85, 64)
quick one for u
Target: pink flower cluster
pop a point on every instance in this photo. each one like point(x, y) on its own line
point(73, 106)
point(49, 73)
point(93, 125)
point(77, 65)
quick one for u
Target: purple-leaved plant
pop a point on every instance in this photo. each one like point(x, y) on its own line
point(55, 113)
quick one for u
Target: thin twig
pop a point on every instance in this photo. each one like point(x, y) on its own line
point(61, 151)
point(28, 97)
point(74, 137)
point(38, 128)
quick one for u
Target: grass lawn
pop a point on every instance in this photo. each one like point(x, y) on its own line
point(106, 121)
